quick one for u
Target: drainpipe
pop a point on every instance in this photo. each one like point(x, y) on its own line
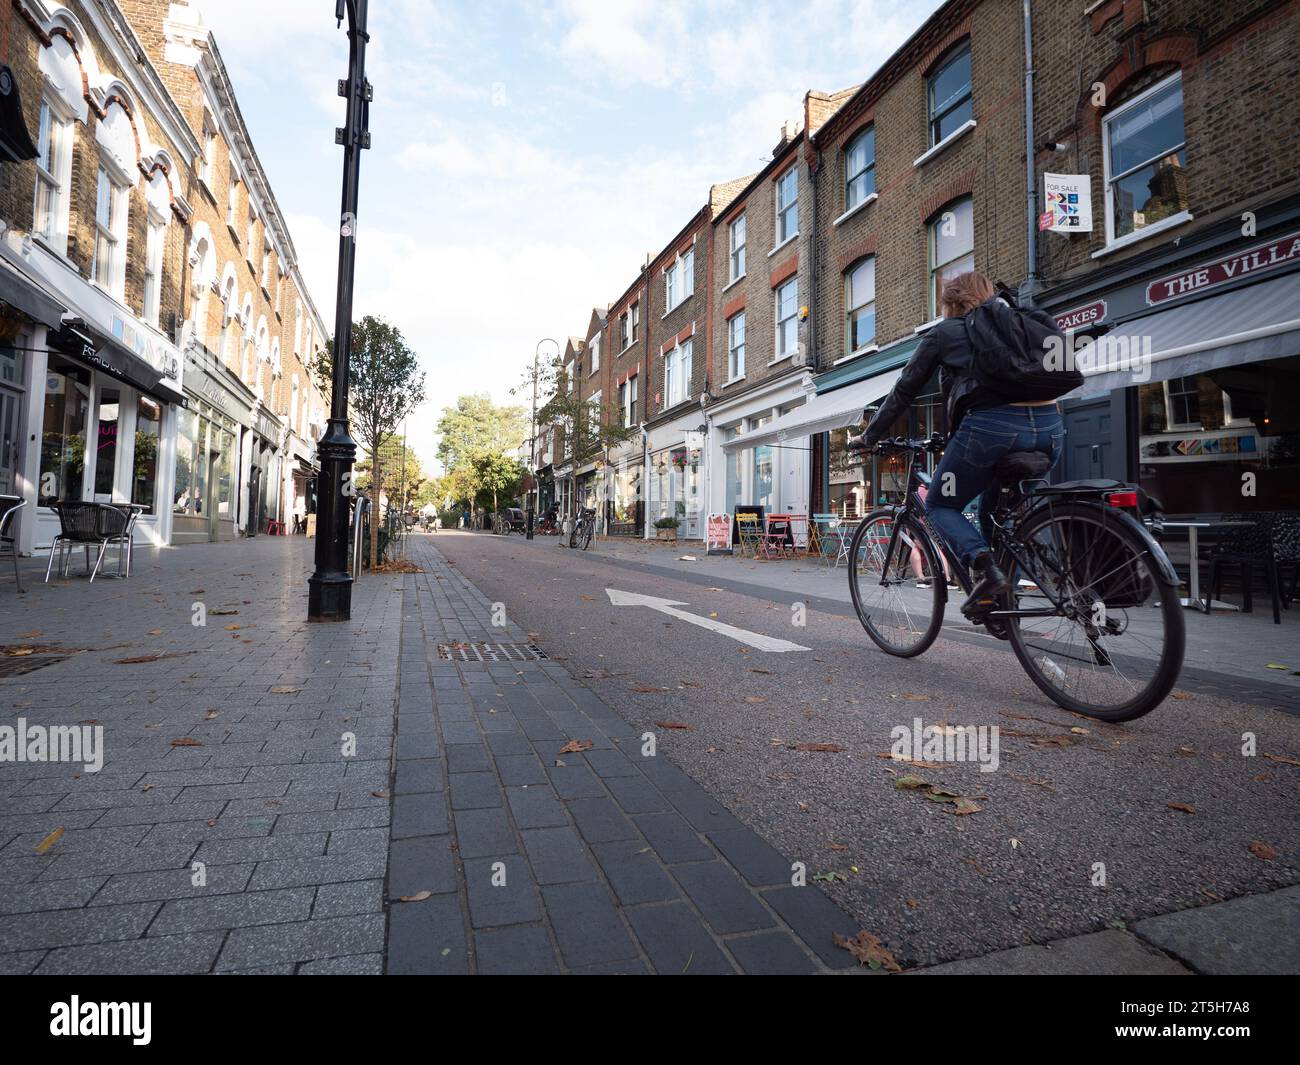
point(1030, 285)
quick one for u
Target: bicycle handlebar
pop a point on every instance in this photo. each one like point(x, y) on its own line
point(933, 443)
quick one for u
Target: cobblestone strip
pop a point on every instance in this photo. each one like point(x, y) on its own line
point(527, 859)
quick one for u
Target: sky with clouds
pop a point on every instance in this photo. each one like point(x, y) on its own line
point(526, 156)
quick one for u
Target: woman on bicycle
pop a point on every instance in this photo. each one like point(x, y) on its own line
point(983, 425)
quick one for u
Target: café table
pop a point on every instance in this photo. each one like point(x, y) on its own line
point(1194, 568)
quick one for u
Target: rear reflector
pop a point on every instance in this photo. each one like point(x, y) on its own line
point(1122, 499)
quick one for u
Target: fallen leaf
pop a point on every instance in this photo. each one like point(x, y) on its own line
point(911, 904)
point(1282, 758)
point(419, 896)
point(380, 794)
point(154, 632)
point(869, 951)
point(755, 699)
point(755, 669)
point(148, 787)
point(649, 688)
point(589, 598)
point(907, 783)
point(30, 635)
point(1080, 731)
point(1274, 665)
point(836, 847)
point(232, 628)
point(19, 652)
point(1260, 849)
point(284, 689)
point(1184, 807)
point(50, 840)
point(222, 613)
point(914, 697)
point(209, 715)
point(675, 724)
point(576, 746)
point(186, 741)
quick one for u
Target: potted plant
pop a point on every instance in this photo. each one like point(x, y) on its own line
point(666, 528)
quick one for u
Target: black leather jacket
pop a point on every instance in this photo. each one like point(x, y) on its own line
point(945, 348)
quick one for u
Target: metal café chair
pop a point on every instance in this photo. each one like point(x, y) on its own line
point(9, 508)
point(89, 524)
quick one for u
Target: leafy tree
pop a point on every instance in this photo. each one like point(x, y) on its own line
point(476, 426)
point(385, 383)
point(498, 474)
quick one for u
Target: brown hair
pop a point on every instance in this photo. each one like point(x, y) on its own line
point(964, 293)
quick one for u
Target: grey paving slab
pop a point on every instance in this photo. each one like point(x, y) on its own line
point(1255, 934)
point(1108, 953)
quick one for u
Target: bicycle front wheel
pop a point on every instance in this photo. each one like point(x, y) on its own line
point(901, 619)
point(586, 536)
point(1110, 641)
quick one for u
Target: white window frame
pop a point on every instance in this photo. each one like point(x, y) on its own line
point(113, 232)
point(933, 117)
point(682, 271)
point(232, 199)
point(849, 307)
point(739, 227)
point(625, 330)
point(678, 365)
point(868, 169)
point(784, 233)
point(595, 355)
point(57, 130)
point(1108, 179)
point(155, 246)
point(735, 349)
point(935, 266)
point(777, 353)
point(636, 319)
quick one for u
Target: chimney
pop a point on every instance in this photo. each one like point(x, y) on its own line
point(789, 131)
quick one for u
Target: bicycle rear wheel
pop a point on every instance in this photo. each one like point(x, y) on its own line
point(900, 619)
point(586, 535)
point(1114, 647)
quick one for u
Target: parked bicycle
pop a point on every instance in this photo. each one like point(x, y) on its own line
point(510, 520)
point(583, 528)
point(1092, 611)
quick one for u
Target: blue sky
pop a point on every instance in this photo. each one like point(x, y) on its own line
point(526, 156)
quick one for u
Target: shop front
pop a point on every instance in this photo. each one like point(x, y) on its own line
point(756, 463)
point(263, 502)
point(1192, 368)
point(625, 507)
point(88, 399)
point(205, 504)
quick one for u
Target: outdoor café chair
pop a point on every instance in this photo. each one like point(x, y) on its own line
point(774, 541)
point(88, 524)
point(750, 536)
point(9, 508)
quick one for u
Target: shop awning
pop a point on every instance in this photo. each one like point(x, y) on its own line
point(841, 409)
point(1259, 321)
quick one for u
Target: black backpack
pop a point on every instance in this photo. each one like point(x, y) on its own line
point(1019, 355)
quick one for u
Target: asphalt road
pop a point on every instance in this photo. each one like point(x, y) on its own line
point(1071, 800)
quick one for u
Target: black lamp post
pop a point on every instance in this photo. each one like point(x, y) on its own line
point(329, 595)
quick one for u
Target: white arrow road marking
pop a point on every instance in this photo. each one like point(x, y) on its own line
point(669, 606)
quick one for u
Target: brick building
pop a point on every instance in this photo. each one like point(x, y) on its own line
point(1181, 117)
point(815, 280)
point(106, 264)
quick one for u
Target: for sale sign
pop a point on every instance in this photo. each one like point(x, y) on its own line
point(1068, 199)
point(718, 531)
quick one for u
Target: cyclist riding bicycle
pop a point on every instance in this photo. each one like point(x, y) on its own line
point(992, 411)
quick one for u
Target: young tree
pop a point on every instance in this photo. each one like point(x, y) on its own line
point(585, 432)
point(498, 474)
point(385, 383)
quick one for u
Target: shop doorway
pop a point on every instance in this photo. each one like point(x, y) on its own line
point(11, 410)
point(254, 500)
point(1095, 441)
point(210, 494)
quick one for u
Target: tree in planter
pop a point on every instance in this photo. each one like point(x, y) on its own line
point(385, 383)
point(396, 474)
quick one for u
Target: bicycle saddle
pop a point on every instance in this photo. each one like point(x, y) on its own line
point(1017, 466)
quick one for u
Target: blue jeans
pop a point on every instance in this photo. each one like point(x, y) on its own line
point(966, 470)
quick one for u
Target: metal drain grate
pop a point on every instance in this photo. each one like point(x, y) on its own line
point(17, 665)
point(490, 652)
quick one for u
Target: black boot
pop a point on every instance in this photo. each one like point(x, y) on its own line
point(990, 586)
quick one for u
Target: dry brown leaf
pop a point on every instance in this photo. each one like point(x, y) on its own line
point(1080, 731)
point(675, 724)
point(186, 741)
point(209, 715)
point(154, 632)
point(649, 688)
point(911, 904)
point(50, 840)
point(284, 689)
point(755, 669)
point(869, 951)
point(755, 699)
point(232, 628)
point(915, 697)
point(1262, 850)
point(1184, 807)
point(419, 896)
point(576, 746)
point(1282, 758)
point(836, 847)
